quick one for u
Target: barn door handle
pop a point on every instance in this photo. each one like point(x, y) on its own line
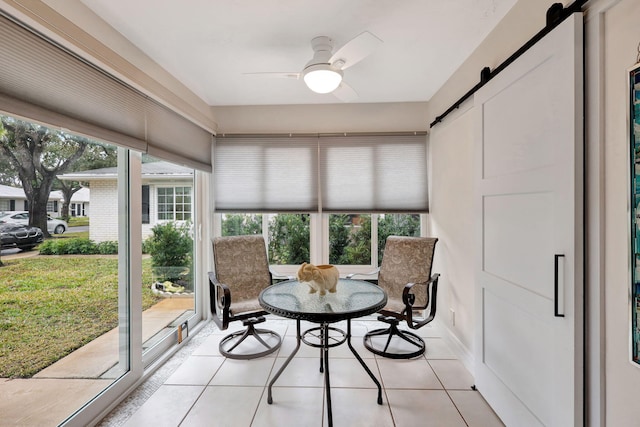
point(556, 286)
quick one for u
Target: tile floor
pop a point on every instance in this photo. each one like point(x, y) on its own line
point(199, 387)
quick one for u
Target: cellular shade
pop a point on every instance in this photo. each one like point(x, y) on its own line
point(321, 173)
point(43, 82)
point(266, 174)
point(374, 173)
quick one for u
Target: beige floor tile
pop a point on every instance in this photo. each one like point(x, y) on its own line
point(474, 409)
point(437, 348)
point(236, 395)
point(431, 330)
point(350, 373)
point(244, 372)
point(196, 370)
point(291, 407)
point(210, 346)
point(301, 372)
point(452, 374)
point(166, 407)
point(424, 408)
point(224, 407)
point(359, 408)
point(408, 374)
point(343, 350)
point(304, 325)
point(289, 344)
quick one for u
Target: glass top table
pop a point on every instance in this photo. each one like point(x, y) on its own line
point(353, 299)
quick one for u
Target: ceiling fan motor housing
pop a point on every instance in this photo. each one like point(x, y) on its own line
point(322, 47)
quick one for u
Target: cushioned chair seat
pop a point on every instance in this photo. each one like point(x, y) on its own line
point(241, 273)
point(405, 274)
point(245, 306)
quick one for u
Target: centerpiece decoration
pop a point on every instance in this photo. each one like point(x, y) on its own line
point(320, 278)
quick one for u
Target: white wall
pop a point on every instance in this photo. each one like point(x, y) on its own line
point(384, 117)
point(621, 38)
point(451, 172)
point(452, 219)
point(104, 221)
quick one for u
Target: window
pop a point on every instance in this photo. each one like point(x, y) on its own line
point(287, 235)
point(145, 204)
point(174, 203)
point(289, 239)
point(241, 224)
point(354, 241)
point(350, 239)
point(338, 196)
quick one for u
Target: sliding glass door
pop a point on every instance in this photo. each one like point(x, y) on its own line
point(88, 303)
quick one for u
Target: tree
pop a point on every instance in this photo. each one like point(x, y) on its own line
point(38, 154)
point(96, 156)
point(339, 230)
point(359, 250)
point(289, 239)
point(241, 224)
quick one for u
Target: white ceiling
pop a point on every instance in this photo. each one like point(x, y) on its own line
point(209, 44)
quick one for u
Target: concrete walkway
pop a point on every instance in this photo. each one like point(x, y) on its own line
point(56, 392)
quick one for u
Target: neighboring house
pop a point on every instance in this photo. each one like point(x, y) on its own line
point(167, 191)
point(14, 199)
point(79, 205)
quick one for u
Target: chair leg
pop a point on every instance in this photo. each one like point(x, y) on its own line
point(391, 332)
point(232, 341)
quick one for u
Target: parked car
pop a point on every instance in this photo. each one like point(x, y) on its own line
point(20, 236)
point(54, 226)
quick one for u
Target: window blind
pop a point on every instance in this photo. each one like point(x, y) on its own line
point(374, 173)
point(43, 82)
point(321, 173)
point(271, 174)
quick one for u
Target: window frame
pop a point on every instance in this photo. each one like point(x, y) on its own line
point(319, 242)
point(174, 203)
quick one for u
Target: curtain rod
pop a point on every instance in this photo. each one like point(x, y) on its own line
point(556, 14)
point(316, 135)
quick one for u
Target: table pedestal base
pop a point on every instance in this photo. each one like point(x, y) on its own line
point(324, 346)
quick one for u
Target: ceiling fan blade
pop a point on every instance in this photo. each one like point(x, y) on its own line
point(355, 50)
point(345, 93)
point(292, 75)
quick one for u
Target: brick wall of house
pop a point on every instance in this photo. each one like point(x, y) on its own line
point(104, 221)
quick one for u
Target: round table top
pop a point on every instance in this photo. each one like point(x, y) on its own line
point(353, 298)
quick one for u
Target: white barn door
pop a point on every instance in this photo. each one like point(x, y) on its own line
point(529, 281)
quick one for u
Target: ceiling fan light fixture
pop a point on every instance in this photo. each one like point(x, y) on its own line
point(322, 78)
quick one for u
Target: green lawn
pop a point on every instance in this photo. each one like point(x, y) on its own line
point(50, 306)
point(76, 221)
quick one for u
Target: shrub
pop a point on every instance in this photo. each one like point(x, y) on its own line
point(77, 246)
point(107, 248)
point(170, 248)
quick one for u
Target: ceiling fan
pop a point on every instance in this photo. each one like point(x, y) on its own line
point(324, 72)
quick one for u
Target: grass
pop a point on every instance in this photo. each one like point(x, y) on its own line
point(51, 306)
point(77, 221)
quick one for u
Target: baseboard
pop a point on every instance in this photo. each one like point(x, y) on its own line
point(464, 354)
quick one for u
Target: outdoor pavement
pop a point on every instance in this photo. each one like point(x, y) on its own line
point(57, 391)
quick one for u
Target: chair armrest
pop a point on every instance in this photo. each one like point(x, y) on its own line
point(220, 296)
point(408, 298)
point(371, 273)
